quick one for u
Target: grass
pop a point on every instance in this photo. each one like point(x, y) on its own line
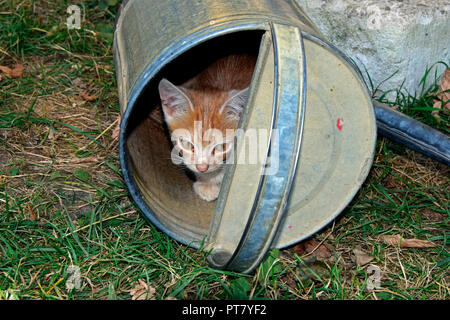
point(63, 202)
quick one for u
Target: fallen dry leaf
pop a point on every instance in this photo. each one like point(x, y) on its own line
point(445, 84)
point(437, 105)
point(116, 131)
point(16, 72)
point(299, 249)
point(397, 240)
point(86, 96)
point(361, 257)
point(85, 160)
point(444, 94)
point(32, 214)
point(320, 251)
point(142, 291)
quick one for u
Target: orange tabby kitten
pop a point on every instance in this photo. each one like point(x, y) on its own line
point(198, 114)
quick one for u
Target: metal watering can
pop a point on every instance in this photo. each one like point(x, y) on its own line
point(304, 92)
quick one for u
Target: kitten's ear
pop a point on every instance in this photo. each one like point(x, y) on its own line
point(232, 108)
point(175, 102)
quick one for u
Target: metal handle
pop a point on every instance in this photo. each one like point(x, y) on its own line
point(276, 175)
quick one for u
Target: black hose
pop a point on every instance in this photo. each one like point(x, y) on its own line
point(415, 135)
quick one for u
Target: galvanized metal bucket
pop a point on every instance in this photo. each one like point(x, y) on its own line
point(303, 89)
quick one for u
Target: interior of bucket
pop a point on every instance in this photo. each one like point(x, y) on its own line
point(166, 188)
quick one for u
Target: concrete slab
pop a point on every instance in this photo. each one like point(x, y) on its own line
point(387, 36)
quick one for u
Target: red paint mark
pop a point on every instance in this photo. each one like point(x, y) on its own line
point(345, 184)
point(290, 227)
point(340, 123)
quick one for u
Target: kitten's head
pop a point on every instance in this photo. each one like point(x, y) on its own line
point(200, 123)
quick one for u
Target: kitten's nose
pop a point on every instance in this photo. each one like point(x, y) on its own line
point(202, 167)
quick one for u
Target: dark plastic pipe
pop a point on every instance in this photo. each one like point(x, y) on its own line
point(415, 135)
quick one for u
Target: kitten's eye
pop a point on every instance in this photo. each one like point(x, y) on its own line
point(186, 145)
point(221, 148)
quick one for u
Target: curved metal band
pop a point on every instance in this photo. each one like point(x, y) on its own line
point(285, 140)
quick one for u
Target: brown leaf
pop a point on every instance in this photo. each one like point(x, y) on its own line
point(116, 131)
point(437, 105)
point(86, 160)
point(361, 257)
point(32, 214)
point(86, 96)
point(397, 240)
point(142, 291)
point(299, 249)
point(320, 251)
point(52, 136)
point(445, 84)
point(16, 72)
point(6, 70)
point(443, 97)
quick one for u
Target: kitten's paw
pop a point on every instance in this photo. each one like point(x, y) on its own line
point(206, 191)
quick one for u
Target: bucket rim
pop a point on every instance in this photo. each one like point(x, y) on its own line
point(152, 68)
